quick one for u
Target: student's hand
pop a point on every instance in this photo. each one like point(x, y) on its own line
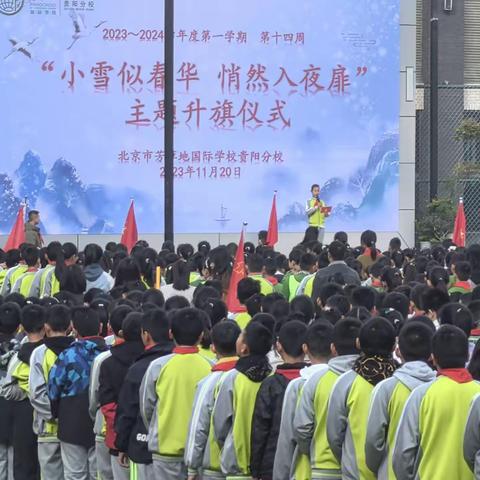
point(123, 460)
point(192, 477)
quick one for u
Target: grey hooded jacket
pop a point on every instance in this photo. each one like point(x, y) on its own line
point(386, 400)
point(197, 451)
point(306, 421)
point(94, 403)
point(446, 404)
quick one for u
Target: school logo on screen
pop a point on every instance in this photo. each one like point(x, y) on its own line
point(10, 7)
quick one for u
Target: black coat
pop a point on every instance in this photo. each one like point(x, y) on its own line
point(114, 369)
point(267, 417)
point(131, 433)
point(337, 272)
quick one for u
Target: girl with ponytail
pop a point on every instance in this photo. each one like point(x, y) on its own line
point(438, 277)
point(370, 253)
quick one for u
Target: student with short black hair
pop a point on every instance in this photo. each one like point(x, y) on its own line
point(68, 384)
point(95, 276)
point(293, 268)
point(317, 348)
point(268, 404)
point(246, 288)
point(337, 271)
point(256, 270)
point(24, 282)
point(154, 296)
point(327, 291)
point(57, 328)
point(15, 388)
point(397, 301)
point(167, 380)
point(111, 376)
point(304, 305)
point(311, 415)
point(438, 430)
point(462, 284)
point(307, 267)
point(176, 302)
point(350, 398)
point(202, 453)
point(243, 384)
point(432, 300)
point(395, 245)
point(340, 302)
point(364, 297)
point(391, 278)
point(102, 452)
point(131, 434)
point(390, 396)
point(458, 315)
point(416, 299)
point(9, 346)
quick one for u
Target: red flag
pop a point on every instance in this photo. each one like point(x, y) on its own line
point(238, 273)
point(130, 233)
point(460, 229)
point(272, 234)
point(17, 235)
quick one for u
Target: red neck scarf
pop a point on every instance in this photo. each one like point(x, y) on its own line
point(459, 375)
point(185, 350)
point(464, 285)
point(225, 364)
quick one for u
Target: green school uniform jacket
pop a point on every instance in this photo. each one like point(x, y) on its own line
point(310, 424)
point(50, 284)
point(15, 384)
point(386, 407)
point(41, 362)
point(315, 217)
point(99, 426)
point(435, 438)
point(292, 284)
point(12, 275)
point(24, 283)
point(38, 283)
point(232, 423)
point(166, 400)
point(347, 425)
point(306, 286)
point(265, 286)
point(243, 319)
point(202, 452)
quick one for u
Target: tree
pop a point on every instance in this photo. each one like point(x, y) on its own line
point(437, 223)
point(30, 177)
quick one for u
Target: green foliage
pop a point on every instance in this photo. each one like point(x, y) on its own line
point(437, 223)
point(468, 130)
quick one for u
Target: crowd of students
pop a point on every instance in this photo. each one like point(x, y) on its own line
point(343, 363)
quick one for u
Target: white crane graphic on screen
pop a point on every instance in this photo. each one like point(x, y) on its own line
point(80, 28)
point(21, 47)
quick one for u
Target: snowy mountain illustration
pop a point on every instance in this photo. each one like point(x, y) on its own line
point(369, 183)
point(66, 203)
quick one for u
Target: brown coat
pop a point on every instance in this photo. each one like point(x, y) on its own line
point(32, 235)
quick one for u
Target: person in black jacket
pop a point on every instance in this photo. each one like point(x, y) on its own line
point(9, 323)
point(268, 406)
point(15, 388)
point(336, 272)
point(68, 383)
point(112, 374)
point(131, 434)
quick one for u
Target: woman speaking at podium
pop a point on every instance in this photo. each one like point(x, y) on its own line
point(317, 211)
